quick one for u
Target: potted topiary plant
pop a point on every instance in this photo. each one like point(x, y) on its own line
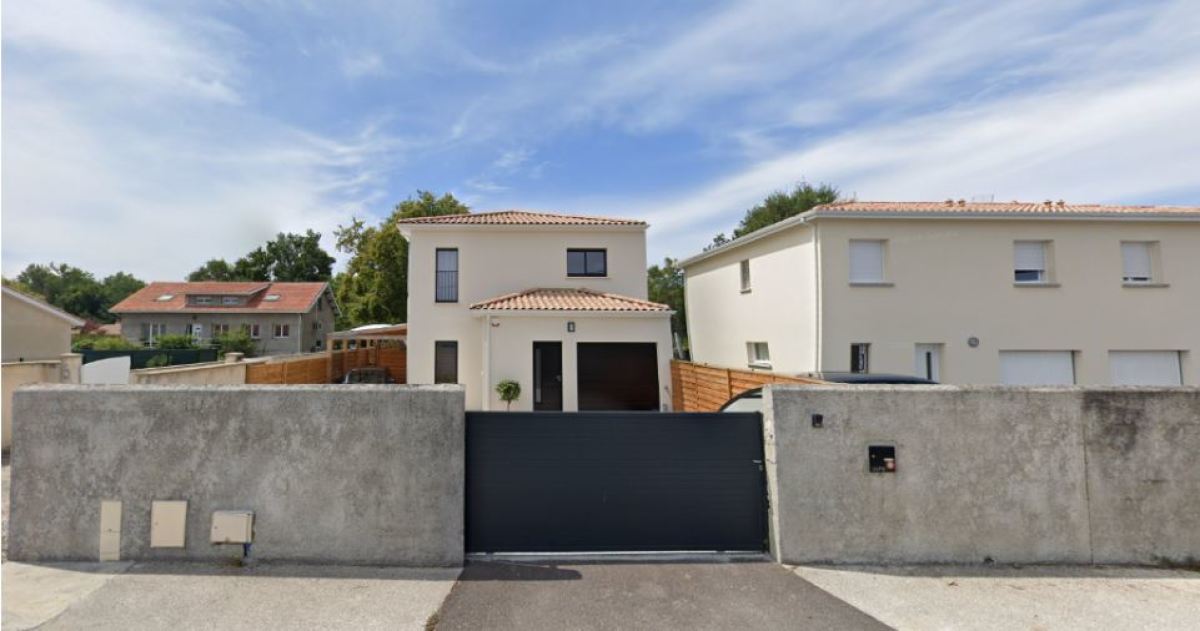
point(509, 391)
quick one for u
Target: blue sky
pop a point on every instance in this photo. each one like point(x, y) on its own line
point(150, 136)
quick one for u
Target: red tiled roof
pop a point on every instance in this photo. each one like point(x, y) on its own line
point(293, 297)
point(521, 218)
point(1003, 208)
point(568, 300)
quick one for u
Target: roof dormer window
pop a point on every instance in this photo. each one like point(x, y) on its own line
point(271, 298)
point(164, 297)
point(231, 300)
point(203, 300)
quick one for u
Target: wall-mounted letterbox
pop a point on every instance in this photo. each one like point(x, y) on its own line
point(881, 458)
point(168, 523)
point(232, 526)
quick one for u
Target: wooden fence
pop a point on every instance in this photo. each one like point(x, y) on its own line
point(704, 388)
point(326, 367)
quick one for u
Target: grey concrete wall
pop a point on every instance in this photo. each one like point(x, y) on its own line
point(1012, 474)
point(346, 474)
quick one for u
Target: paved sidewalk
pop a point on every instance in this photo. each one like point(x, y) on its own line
point(1029, 597)
point(175, 596)
point(641, 595)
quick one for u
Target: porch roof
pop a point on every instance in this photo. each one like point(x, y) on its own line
point(549, 299)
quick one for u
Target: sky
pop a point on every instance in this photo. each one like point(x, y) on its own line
point(149, 137)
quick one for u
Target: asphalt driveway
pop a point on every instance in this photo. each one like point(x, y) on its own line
point(624, 595)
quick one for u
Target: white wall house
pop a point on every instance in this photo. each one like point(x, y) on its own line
point(962, 293)
point(556, 303)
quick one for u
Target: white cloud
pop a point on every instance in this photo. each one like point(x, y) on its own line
point(363, 65)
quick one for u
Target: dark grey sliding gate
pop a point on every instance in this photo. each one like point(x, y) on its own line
point(614, 481)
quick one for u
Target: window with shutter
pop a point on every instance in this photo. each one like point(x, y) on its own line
point(1137, 261)
point(1029, 262)
point(866, 261)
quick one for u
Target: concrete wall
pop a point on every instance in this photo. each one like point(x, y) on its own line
point(30, 333)
point(1013, 474)
point(345, 474)
point(17, 374)
point(497, 260)
point(207, 374)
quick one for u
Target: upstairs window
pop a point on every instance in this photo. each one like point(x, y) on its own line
point(758, 354)
point(587, 262)
point(203, 300)
point(1029, 262)
point(446, 289)
point(866, 261)
point(1137, 258)
point(860, 357)
point(231, 300)
point(746, 276)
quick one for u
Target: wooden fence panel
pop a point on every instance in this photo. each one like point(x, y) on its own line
point(703, 388)
point(327, 368)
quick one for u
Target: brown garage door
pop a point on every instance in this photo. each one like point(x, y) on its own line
point(617, 376)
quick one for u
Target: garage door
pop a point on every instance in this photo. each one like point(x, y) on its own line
point(1145, 368)
point(617, 376)
point(614, 481)
point(1037, 368)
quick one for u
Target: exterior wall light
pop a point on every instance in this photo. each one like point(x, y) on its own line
point(570, 327)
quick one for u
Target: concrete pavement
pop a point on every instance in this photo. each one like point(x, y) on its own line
point(1030, 597)
point(534, 595)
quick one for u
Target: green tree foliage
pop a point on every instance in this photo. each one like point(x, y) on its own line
point(289, 258)
point(236, 342)
point(509, 391)
point(666, 286)
point(374, 287)
point(76, 291)
point(777, 207)
point(175, 341)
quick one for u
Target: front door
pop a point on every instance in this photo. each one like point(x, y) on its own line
point(547, 376)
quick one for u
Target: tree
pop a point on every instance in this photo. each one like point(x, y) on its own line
point(666, 286)
point(77, 291)
point(779, 206)
point(214, 270)
point(374, 287)
point(509, 391)
point(289, 258)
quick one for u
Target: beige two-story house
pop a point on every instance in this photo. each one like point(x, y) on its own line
point(958, 292)
point(556, 303)
point(282, 318)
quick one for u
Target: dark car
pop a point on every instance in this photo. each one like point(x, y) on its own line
point(751, 400)
point(368, 375)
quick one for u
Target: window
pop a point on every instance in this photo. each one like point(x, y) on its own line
point(283, 330)
point(746, 276)
point(860, 358)
point(252, 330)
point(1037, 368)
point(152, 331)
point(447, 275)
point(758, 354)
point(220, 329)
point(320, 303)
point(445, 362)
point(203, 300)
point(866, 261)
point(1029, 262)
point(165, 297)
point(231, 300)
point(1145, 368)
point(271, 298)
point(1137, 261)
point(587, 263)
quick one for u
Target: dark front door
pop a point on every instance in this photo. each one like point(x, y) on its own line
point(547, 376)
point(614, 481)
point(617, 376)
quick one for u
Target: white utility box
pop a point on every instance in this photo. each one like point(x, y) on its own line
point(168, 524)
point(232, 526)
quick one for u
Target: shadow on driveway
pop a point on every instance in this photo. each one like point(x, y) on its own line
point(660, 595)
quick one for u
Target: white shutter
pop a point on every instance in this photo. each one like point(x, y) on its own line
point(866, 261)
point(1136, 256)
point(1144, 368)
point(1037, 368)
point(1029, 255)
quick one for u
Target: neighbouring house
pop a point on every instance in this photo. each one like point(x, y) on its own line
point(962, 293)
point(34, 330)
point(282, 318)
point(554, 302)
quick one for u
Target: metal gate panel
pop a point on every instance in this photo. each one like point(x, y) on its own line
point(614, 481)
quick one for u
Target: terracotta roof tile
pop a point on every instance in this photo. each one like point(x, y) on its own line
point(1004, 208)
point(293, 297)
point(568, 300)
point(521, 218)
